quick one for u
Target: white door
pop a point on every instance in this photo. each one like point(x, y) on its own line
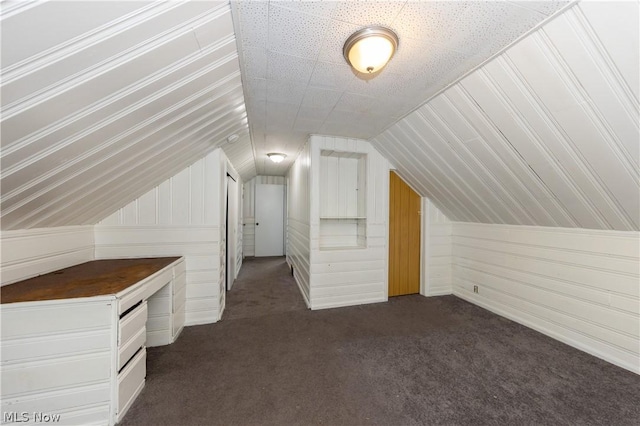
point(269, 234)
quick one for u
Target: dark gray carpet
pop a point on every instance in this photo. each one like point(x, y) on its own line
point(413, 360)
point(264, 286)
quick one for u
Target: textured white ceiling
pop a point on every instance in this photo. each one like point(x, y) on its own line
point(296, 81)
point(103, 100)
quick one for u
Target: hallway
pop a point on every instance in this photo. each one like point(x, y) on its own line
point(413, 360)
point(264, 286)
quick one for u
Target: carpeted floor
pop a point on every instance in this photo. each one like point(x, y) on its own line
point(264, 287)
point(413, 360)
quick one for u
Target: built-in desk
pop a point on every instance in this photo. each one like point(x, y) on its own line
point(74, 340)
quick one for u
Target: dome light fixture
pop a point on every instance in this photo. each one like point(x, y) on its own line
point(276, 157)
point(368, 50)
point(233, 138)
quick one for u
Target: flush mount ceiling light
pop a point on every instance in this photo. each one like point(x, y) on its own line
point(233, 138)
point(276, 157)
point(368, 50)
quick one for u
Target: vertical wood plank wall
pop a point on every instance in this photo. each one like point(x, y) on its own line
point(182, 216)
point(404, 238)
point(340, 178)
point(353, 276)
point(240, 230)
point(298, 229)
point(249, 210)
point(545, 134)
point(31, 252)
point(437, 257)
point(576, 285)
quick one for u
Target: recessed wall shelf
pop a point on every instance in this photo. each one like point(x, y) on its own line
point(343, 216)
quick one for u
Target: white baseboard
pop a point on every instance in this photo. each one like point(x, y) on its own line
point(200, 318)
point(582, 342)
point(440, 292)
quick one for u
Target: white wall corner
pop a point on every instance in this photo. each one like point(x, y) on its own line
point(437, 260)
point(578, 286)
point(182, 216)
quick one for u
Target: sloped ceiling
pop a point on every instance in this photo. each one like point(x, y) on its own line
point(240, 154)
point(102, 100)
point(297, 82)
point(545, 134)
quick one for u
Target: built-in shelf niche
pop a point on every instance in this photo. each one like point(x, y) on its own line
point(343, 215)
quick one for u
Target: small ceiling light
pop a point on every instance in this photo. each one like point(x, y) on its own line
point(368, 50)
point(233, 138)
point(276, 157)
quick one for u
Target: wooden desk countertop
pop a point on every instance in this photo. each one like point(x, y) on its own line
point(95, 278)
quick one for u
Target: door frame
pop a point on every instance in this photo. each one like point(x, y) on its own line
point(424, 234)
point(231, 241)
point(257, 219)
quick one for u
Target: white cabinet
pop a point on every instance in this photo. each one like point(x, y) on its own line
point(84, 357)
point(343, 188)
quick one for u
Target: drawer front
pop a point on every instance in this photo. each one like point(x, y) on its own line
point(130, 347)
point(130, 299)
point(131, 382)
point(131, 324)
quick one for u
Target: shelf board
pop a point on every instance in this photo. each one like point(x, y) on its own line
point(341, 217)
point(335, 248)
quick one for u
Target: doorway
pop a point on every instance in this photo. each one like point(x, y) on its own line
point(404, 238)
point(269, 214)
point(232, 231)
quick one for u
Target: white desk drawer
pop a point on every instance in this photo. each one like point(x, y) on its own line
point(131, 382)
point(132, 323)
point(130, 347)
point(130, 299)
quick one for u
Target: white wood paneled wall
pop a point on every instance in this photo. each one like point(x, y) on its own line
point(224, 167)
point(182, 216)
point(97, 113)
point(578, 286)
point(32, 252)
point(249, 209)
point(339, 195)
point(437, 257)
point(239, 224)
point(544, 134)
point(58, 356)
point(298, 231)
point(350, 276)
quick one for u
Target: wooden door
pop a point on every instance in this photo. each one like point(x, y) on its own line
point(404, 238)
